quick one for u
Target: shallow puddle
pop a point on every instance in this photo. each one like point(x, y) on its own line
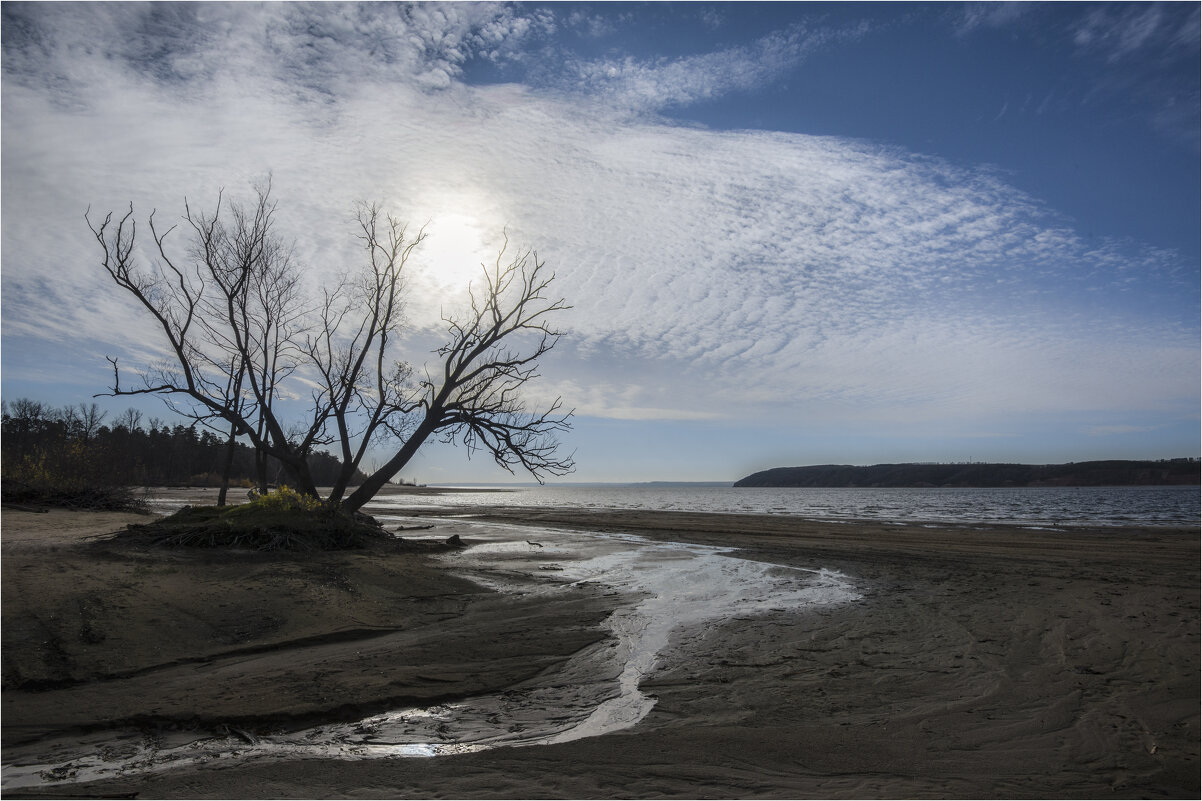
point(664, 590)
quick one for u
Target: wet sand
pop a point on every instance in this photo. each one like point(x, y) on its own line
point(991, 663)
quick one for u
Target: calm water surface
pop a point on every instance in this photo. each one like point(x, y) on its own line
point(1041, 506)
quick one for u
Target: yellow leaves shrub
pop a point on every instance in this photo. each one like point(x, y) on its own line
point(286, 499)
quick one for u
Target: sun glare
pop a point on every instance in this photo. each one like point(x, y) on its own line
point(464, 229)
point(456, 246)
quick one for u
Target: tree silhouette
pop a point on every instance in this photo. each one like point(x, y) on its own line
point(238, 328)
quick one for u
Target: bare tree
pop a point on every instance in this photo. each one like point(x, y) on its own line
point(130, 420)
point(82, 421)
point(365, 392)
point(236, 324)
point(252, 317)
point(476, 396)
point(229, 318)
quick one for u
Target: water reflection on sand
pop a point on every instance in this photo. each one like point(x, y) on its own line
point(663, 593)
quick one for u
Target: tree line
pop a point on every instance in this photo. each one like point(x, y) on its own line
point(76, 452)
point(981, 474)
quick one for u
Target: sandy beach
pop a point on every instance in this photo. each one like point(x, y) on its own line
point(999, 662)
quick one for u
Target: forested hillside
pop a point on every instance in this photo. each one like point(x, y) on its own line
point(1073, 474)
point(76, 446)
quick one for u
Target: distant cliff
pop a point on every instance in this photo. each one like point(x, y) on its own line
point(1074, 474)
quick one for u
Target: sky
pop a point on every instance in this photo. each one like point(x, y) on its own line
point(791, 233)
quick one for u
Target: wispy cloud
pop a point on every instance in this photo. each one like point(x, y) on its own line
point(990, 15)
point(1122, 30)
point(1144, 54)
point(711, 272)
point(1140, 43)
point(591, 25)
point(649, 85)
point(643, 85)
point(1114, 430)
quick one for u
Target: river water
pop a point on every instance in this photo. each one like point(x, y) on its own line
point(1025, 506)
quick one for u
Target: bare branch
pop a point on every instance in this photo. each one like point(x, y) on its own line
point(238, 326)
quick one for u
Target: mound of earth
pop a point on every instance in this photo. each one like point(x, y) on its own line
point(264, 527)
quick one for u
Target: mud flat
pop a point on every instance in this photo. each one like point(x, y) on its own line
point(996, 662)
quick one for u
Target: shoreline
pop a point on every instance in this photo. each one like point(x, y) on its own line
point(1015, 663)
point(1070, 508)
point(849, 538)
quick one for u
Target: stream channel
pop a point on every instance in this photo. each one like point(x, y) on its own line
point(667, 592)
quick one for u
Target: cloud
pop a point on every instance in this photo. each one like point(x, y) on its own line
point(593, 26)
point(990, 15)
point(641, 85)
point(1147, 55)
point(713, 274)
point(1115, 31)
point(618, 401)
point(1112, 430)
point(314, 50)
point(1136, 60)
point(1121, 30)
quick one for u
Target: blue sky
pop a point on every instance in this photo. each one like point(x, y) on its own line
point(792, 233)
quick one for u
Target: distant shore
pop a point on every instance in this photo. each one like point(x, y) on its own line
point(1110, 473)
point(1000, 662)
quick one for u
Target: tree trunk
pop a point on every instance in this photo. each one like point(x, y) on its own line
point(304, 480)
point(261, 471)
point(368, 489)
point(341, 483)
point(230, 448)
point(296, 468)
